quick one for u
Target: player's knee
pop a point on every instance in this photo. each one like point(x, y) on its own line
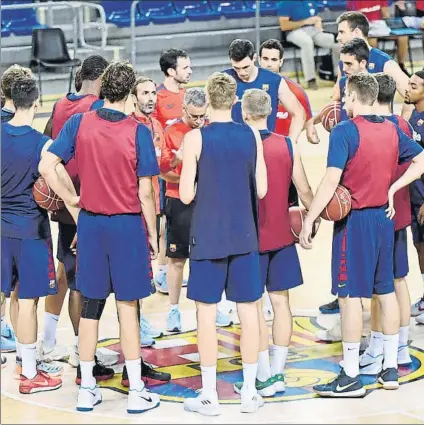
point(92, 309)
point(279, 300)
point(177, 263)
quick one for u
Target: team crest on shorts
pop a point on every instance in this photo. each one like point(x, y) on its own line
point(265, 87)
point(52, 284)
point(420, 123)
point(310, 362)
point(173, 247)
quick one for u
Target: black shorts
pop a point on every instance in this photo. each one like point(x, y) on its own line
point(64, 252)
point(178, 220)
point(293, 196)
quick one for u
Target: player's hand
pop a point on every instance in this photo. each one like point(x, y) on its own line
point(312, 134)
point(315, 227)
point(74, 201)
point(153, 247)
point(74, 245)
point(305, 237)
point(421, 215)
point(390, 211)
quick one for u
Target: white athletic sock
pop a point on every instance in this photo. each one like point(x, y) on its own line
point(87, 378)
point(163, 269)
point(76, 342)
point(279, 357)
point(391, 343)
point(376, 343)
point(250, 371)
point(50, 326)
point(403, 335)
point(351, 358)
point(264, 366)
point(134, 374)
point(173, 307)
point(29, 360)
point(18, 350)
point(208, 378)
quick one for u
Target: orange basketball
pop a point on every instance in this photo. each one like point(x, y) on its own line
point(45, 197)
point(339, 206)
point(330, 115)
point(297, 215)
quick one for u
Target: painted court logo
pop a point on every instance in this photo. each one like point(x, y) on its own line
point(310, 362)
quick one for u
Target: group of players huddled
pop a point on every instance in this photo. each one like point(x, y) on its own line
point(221, 168)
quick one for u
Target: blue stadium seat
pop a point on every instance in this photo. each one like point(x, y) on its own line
point(197, 10)
point(119, 13)
point(20, 21)
point(4, 30)
point(268, 7)
point(161, 12)
point(335, 4)
point(232, 9)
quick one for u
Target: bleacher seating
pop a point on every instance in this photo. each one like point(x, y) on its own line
point(119, 13)
point(197, 10)
point(19, 21)
point(268, 8)
point(232, 9)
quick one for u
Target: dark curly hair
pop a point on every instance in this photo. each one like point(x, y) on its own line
point(117, 81)
point(10, 76)
point(24, 93)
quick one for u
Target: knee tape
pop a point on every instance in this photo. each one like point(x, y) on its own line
point(92, 309)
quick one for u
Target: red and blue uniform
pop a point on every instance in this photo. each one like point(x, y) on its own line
point(26, 245)
point(402, 204)
point(6, 115)
point(267, 81)
point(376, 61)
point(416, 188)
point(169, 105)
point(113, 253)
point(368, 150)
point(64, 109)
point(280, 267)
point(224, 233)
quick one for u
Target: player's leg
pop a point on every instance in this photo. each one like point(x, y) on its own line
point(417, 309)
point(327, 41)
point(402, 52)
point(162, 260)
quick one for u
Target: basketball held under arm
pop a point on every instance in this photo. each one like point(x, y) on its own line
point(191, 154)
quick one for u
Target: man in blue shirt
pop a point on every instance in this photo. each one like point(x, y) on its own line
point(302, 27)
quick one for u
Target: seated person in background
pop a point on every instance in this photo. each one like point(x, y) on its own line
point(376, 10)
point(304, 29)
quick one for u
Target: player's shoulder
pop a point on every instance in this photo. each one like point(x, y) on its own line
point(269, 75)
point(343, 127)
point(380, 54)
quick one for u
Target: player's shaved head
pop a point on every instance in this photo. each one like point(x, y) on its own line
point(256, 104)
point(221, 89)
point(24, 93)
point(11, 75)
point(118, 81)
point(365, 87)
point(386, 88)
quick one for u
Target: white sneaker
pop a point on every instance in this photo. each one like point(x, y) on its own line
point(73, 356)
point(250, 403)
point(88, 398)
point(370, 365)
point(104, 355)
point(56, 353)
point(205, 404)
point(417, 309)
point(331, 335)
point(140, 401)
point(420, 319)
point(403, 357)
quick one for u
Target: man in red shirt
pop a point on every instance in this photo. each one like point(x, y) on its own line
point(178, 215)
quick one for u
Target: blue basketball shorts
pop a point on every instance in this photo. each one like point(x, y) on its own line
point(400, 254)
point(280, 269)
point(30, 261)
point(113, 256)
point(362, 256)
point(238, 275)
point(64, 252)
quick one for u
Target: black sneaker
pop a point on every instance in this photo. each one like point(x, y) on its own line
point(100, 372)
point(147, 372)
point(342, 386)
point(330, 308)
point(389, 378)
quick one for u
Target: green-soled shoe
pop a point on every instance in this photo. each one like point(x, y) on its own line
point(265, 389)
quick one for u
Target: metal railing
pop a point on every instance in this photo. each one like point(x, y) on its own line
point(217, 32)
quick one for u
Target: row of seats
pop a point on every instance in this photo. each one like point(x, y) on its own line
point(19, 21)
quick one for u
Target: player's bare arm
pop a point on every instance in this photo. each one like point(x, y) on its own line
point(322, 197)
point(294, 108)
point(170, 177)
point(191, 154)
point(261, 173)
point(300, 180)
point(148, 208)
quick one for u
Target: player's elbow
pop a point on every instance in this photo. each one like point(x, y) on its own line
point(45, 168)
point(261, 189)
point(186, 196)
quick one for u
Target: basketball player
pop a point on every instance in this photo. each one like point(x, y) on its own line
point(279, 262)
point(223, 236)
point(176, 66)
point(117, 218)
point(26, 243)
point(415, 96)
point(362, 254)
point(86, 99)
point(371, 361)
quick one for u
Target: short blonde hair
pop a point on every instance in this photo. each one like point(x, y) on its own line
point(256, 103)
point(11, 76)
point(221, 89)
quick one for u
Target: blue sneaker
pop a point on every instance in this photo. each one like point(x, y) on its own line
point(8, 339)
point(160, 282)
point(342, 386)
point(173, 323)
point(146, 340)
point(223, 320)
point(148, 329)
point(389, 378)
point(330, 308)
